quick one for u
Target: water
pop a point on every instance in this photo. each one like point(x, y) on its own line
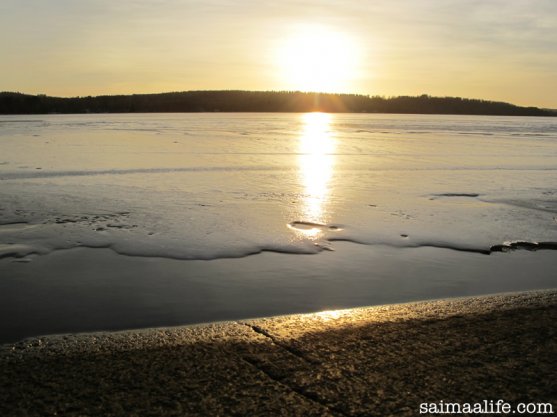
point(368, 195)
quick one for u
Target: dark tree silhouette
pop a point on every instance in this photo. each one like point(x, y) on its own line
point(258, 101)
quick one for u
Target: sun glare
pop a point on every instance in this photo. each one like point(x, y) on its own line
point(318, 59)
point(332, 314)
point(316, 161)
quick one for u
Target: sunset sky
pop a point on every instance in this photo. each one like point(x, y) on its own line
point(491, 49)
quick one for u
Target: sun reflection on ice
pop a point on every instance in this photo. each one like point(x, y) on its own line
point(316, 164)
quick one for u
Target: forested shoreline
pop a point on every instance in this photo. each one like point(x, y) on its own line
point(258, 101)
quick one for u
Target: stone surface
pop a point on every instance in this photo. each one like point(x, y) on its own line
point(370, 361)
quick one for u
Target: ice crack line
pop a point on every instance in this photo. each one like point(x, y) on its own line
point(314, 398)
point(310, 397)
point(284, 346)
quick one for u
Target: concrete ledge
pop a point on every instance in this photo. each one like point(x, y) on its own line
point(384, 360)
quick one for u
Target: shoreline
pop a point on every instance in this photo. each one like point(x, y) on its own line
point(382, 360)
point(468, 304)
point(115, 292)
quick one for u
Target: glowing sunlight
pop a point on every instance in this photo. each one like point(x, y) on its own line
point(317, 59)
point(316, 162)
point(332, 314)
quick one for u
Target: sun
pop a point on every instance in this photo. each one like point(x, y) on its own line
point(317, 59)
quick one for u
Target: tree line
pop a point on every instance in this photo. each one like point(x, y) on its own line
point(258, 101)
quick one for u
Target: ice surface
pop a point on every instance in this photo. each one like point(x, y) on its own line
point(423, 197)
point(207, 186)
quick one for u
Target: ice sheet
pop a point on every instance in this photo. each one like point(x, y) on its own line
point(207, 186)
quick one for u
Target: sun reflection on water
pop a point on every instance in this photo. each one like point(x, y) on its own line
point(316, 164)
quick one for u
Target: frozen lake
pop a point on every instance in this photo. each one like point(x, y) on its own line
point(391, 208)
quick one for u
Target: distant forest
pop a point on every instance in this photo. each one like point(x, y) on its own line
point(258, 101)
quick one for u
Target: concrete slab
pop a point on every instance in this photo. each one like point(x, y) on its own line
point(383, 360)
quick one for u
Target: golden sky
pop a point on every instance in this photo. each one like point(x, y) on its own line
point(490, 49)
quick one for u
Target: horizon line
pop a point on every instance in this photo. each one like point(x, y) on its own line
point(276, 91)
